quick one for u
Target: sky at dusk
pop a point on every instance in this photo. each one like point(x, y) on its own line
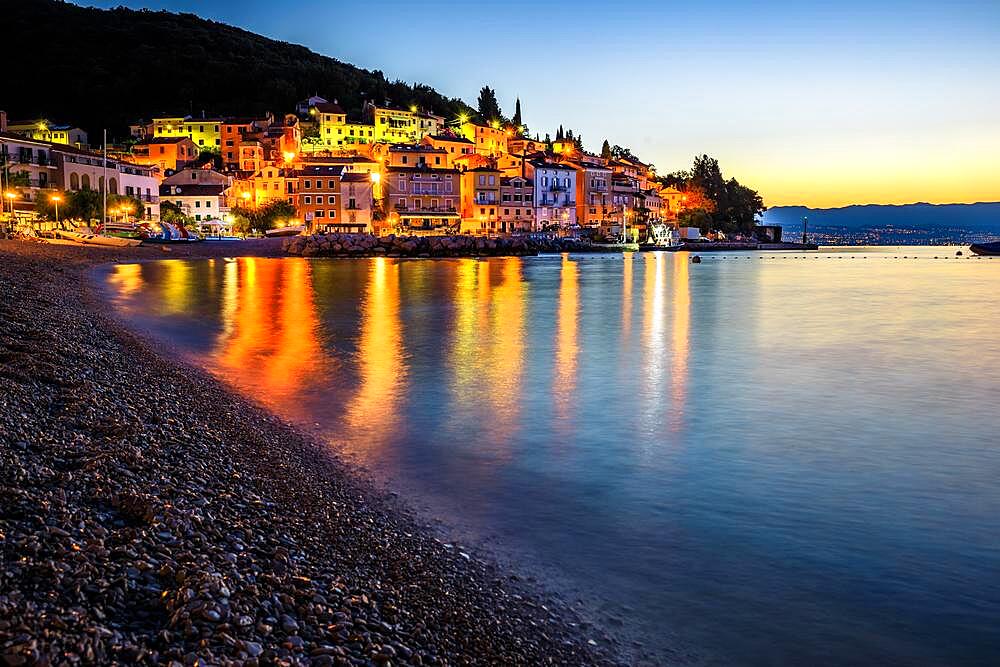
point(822, 104)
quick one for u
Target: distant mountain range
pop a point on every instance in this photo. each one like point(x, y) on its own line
point(905, 223)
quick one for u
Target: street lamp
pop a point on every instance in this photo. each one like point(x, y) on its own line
point(11, 196)
point(55, 200)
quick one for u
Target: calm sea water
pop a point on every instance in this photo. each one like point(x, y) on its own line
point(761, 459)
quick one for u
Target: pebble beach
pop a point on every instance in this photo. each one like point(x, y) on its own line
point(151, 516)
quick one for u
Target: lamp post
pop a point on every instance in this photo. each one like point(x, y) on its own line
point(55, 200)
point(11, 196)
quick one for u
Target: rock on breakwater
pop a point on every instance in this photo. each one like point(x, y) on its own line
point(148, 516)
point(369, 245)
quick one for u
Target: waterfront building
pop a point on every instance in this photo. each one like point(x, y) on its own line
point(165, 153)
point(554, 194)
point(423, 201)
point(673, 202)
point(480, 200)
point(274, 182)
point(32, 168)
point(593, 193)
point(356, 198)
point(516, 210)
point(319, 197)
point(204, 202)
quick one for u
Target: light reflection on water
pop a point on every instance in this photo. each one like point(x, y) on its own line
point(787, 459)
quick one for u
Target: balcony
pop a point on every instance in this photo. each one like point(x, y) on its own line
point(425, 209)
point(557, 188)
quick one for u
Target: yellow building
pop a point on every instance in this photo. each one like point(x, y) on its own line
point(456, 146)
point(44, 130)
point(335, 130)
point(393, 126)
point(488, 139)
point(204, 132)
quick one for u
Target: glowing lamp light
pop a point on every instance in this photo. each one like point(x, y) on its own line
point(289, 156)
point(376, 177)
point(10, 195)
point(55, 198)
point(413, 108)
point(462, 118)
point(246, 196)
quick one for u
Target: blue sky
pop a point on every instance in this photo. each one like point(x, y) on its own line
point(816, 103)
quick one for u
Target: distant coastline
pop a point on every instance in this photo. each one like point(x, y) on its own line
point(892, 224)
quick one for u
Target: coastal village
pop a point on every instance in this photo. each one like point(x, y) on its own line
point(392, 170)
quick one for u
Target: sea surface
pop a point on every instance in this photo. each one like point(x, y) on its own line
point(764, 458)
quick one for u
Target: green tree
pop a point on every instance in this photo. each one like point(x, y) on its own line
point(85, 205)
point(489, 108)
point(208, 155)
point(606, 150)
point(262, 218)
point(516, 120)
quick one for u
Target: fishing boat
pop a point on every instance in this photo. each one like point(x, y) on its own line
point(293, 230)
point(992, 248)
point(97, 239)
point(171, 232)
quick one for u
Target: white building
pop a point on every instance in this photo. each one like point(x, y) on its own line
point(555, 193)
point(203, 202)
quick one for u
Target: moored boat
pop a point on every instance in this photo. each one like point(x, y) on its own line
point(992, 248)
point(96, 239)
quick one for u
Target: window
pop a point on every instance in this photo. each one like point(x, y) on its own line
point(320, 213)
point(197, 204)
point(208, 203)
point(492, 180)
point(307, 199)
point(506, 211)
point(319, 199)
point(403, 159)
point(331, 184)
point(306, 184)
point(333, 213)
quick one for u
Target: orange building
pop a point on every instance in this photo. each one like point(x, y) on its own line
point(487, 139)
point(423, 201)
point(165, 153)
point(480, 200)
point(417, 155)
point(319, 197)
point(456, 146)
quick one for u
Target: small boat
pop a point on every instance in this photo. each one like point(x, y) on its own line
point(96, 239)
point(293, 230)
point(171, 233)
point(986, 248)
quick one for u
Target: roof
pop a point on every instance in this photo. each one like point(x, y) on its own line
point(321, 170)
point(192, 189)
point(354, 177)
point(484, 169)
point(545, 164)
point(329, 107)
point(444, 137)
point(508, 180)
point(423, 170)
point(416, 148)
point(164, 140)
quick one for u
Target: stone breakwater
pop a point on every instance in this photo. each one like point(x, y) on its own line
point(368, 245)
point(150, 516)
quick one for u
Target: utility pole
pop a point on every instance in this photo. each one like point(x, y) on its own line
point(805, 227)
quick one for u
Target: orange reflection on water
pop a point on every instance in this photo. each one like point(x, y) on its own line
point(681, 341)
point(505, 366)
point(626, 299)
point(269, 346)
point(567, 348)
point(373, 415)
point(126, 280)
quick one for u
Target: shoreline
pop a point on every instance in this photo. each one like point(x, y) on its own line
point(149, 514)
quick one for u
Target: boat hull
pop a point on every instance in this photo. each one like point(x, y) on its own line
point(94, 239)
point(986, 248)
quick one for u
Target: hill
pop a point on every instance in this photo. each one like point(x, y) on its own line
point(958, 222)
point(106, 68)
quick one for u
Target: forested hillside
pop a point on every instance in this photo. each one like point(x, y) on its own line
point(106, 68)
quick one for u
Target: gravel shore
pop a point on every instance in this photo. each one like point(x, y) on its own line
point(148, 515)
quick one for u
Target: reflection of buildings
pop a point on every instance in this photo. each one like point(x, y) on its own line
point(566, 338)
point(681, 341)
point(488, 346)
point(269, 345)
point(373, 415)
point(654, 343)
